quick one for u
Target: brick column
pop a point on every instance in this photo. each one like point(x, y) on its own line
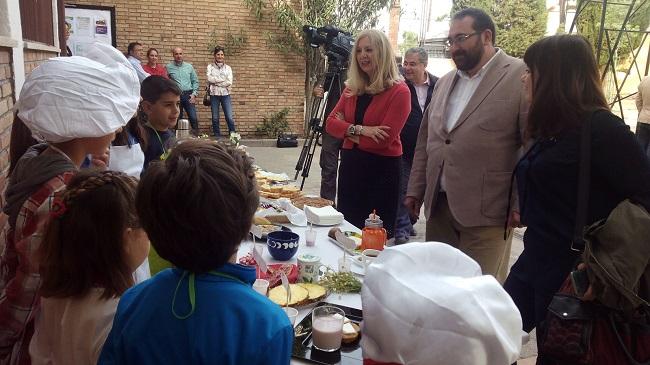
point(6, 117)
point(393, 28)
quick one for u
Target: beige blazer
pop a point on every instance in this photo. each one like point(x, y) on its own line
point(643, 100)
point(479, 153)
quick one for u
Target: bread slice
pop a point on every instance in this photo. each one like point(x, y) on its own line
point(278, 219)
point(299, 295)
point(351, 331)
point(261, 221)
point(276, 188)
point(270, 195)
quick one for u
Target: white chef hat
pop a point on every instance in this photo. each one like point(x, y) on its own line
point(427, 303)
point(74, 97)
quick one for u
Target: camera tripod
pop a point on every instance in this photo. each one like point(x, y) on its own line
point(318, 112)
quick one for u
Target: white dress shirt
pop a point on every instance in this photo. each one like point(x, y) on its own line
point(137, 65)
point(422, 90)
point(463, 91)
point(460, 95)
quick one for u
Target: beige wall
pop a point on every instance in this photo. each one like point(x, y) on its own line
point(6, 103)
point(265, 80)
point(33, 58)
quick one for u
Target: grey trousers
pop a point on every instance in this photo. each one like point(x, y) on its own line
point(329, 164)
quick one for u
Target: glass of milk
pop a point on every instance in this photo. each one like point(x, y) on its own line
point(327, 328)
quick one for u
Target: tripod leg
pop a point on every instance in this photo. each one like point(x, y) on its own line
point(310, 158)
point(303, 154)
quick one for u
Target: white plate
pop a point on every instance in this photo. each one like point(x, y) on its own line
point(324, 225)
point(356, 260)
point(350, 252)
point(358, 270)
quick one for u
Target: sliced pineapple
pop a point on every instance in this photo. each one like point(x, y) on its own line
point(316, 292)
point(298, 295)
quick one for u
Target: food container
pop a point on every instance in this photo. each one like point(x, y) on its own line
point(373, 235)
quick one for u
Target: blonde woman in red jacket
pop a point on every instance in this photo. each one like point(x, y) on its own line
point(369, 118)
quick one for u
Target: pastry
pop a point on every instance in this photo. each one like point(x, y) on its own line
point(300, 202)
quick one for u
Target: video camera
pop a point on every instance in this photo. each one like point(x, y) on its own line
point(337, 43)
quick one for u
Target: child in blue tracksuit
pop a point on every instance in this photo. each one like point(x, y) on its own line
point(196, 207)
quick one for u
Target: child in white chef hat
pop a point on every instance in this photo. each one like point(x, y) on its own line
point(75, 105)
point(427, 303)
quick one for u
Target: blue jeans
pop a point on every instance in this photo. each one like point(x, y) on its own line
point(226, 104)
point(403, 226)
point(190, 108)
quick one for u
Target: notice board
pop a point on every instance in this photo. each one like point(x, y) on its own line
point(89, 24)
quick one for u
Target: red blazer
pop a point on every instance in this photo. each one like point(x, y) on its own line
point(391, 107)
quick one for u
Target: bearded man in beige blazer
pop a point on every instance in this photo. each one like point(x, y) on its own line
point(469, 142)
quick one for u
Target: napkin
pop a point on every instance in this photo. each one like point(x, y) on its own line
point(325, 216)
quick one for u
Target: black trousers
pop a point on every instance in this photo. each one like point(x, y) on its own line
point(368, 182)
point(643, 135)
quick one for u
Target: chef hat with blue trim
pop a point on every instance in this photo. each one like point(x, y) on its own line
point(427, 303)
point(75, 97)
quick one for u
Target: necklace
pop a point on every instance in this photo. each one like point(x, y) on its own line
point(165, 153)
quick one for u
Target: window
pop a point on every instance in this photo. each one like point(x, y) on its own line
point(37, 21)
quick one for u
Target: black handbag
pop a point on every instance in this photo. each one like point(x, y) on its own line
point(287, 140)
point(206, 97)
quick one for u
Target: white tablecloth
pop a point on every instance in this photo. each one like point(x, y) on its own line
point(329, 253)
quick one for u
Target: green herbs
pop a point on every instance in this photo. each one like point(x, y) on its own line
point(340, 282)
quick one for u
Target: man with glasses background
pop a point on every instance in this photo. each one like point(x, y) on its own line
point(421, 83)
point(469, 142)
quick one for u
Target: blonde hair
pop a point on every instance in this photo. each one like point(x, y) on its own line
point(386, 74)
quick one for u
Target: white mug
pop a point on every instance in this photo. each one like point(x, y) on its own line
point(308, 268)
point(368, 256)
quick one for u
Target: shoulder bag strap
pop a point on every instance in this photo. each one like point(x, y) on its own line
point(584, 174)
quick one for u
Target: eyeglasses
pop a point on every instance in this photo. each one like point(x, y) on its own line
point(459, 39)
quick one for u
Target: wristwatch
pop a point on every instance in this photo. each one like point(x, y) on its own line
point(351, 130)
point(358, 130)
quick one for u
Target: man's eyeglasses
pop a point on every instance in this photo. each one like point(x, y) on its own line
point(459, 39)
